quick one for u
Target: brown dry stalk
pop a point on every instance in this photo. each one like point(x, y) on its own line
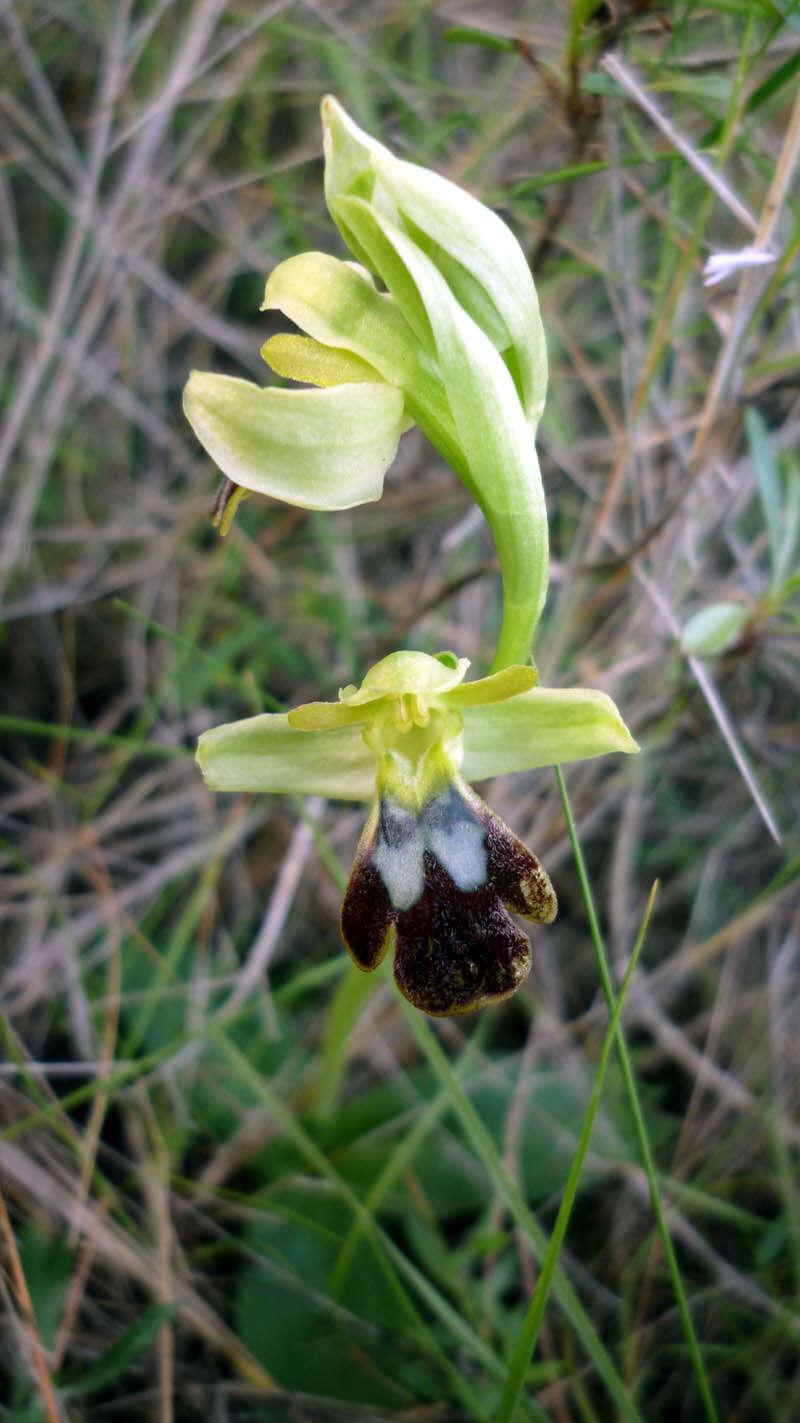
point(41, 1371)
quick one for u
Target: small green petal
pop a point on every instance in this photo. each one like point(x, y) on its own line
point(318, 449)
point(543, 727)
point(301, 358)
point(338, 305)
point(265, 753)
point(497, 688)
point(324, 716)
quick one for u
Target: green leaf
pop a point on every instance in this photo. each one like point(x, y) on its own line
point(47, 1266)
point(710, 631)
point(120, 1355)
point(283, 1317)
point(774, 81)
point(712, 87)
point(787, 9)
point(602, 84)
point(790, 522)
point(264, 753)
point(464, 34)
point(543, 727)
point(767, 480)
point(788, 588)
point(318, 449)
point(337, 1038)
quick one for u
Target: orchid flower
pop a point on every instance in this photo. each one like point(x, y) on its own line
point(436, 872)
point(453, 344)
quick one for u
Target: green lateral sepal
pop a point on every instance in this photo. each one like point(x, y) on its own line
point(317, 449)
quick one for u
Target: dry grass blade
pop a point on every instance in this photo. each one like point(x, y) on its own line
point(39, 1362)
point(51, 1193)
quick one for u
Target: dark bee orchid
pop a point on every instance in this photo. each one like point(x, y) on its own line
point(436, 872)
point(436, 324)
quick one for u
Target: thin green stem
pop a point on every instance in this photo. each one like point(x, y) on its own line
point(523, 1351)
point(636, 1113)
point(516, 635)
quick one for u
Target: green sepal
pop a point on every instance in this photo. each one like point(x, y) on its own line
point(317, 449)
point(544, 727)
point(407, 673)
point(265, 753)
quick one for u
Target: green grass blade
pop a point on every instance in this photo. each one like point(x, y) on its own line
point(526, 1342)
point(387, 1254)
point(767, 482)
point(120, 1355)
point(637, 1115)
point(489, 1156)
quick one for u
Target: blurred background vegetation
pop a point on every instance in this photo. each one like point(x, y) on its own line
point(239, 1183)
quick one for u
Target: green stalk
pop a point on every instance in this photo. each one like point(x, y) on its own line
point(521, 1358)
point(636, 1113)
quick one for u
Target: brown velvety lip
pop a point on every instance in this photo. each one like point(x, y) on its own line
point(456, 946)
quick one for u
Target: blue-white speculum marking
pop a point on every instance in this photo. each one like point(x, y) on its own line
point(446, 828)
point(435, 871)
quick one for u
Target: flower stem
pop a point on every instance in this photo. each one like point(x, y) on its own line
point(516, 636)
